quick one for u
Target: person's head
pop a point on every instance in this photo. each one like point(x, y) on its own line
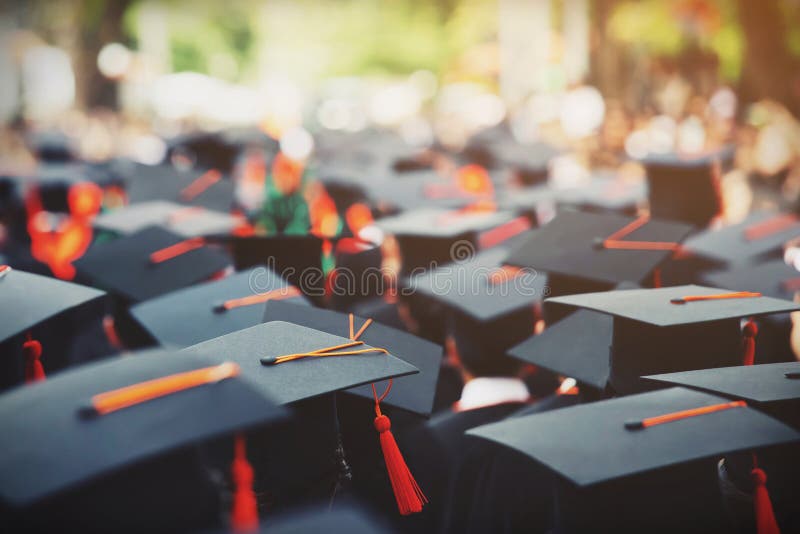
point(482, 346)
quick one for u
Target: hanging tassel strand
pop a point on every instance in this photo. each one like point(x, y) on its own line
point(32, 352)
point(244, 510)
point(749, 333)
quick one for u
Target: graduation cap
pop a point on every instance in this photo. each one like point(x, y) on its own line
point(606, 194)
point(205, 150)
point(186, 221)
point(575, 347)
point(414, 189)
point(188, 316)
point(639, 461)
point(606, 248)
point(292, 363)
point(297, 258)
point(685, 188)
point(30, 302)
point(337, 520)
point(765, 386)
point(114, 420)
point(149, 263)
point(760, 234)
point(676, 328)
point(484, 287)
point(413, 393)
point(427, 236)
point(209, 189)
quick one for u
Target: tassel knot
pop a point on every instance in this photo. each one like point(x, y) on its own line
point(383, 424)
point(765, 516)
point(750, 329)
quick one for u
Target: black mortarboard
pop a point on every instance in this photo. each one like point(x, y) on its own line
point(186, 221)
point(669, 306)
point(482, 287)
point(297, 258)
point(189, 316)
point(623, 467)
point(206, 150)
point(772, 278)
point(51, 146)
point(429, 236)
point(673, 329)
point(766, 386)
point(685, 188)
point(99, 434)
point(577, 244)
point(341, 519)
point(414, 393)
point(305, 378)
point(30, 299)
point(760, 234)
point(606, 193)
point(415, 189)
point(593, 443)
point(576, 347)
point(127, 267)
point(209, 189)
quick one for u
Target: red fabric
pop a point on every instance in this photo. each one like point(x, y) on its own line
point(765, 516)
point(32, 351)
point(244, 511)
point(407, 492)
point(749, 334)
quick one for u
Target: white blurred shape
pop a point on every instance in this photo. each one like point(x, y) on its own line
point(723, 103)
point(691, 136)
point(297, 144)
point(566, 172)
point(393, 104)
point(637, 144)
point(114, 60)
point(147, 149)
point(662, 131)
point(582, 112)
point(425, 82)
point(48, 82)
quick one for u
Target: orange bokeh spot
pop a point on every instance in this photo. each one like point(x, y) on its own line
point(475, 180)
point(85, 199)
point(286, 174)
point(358, 216)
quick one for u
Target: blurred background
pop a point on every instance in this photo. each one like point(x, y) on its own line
point(606, 80)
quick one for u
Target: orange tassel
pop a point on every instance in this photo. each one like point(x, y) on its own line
point(32, 350)
point(244, 511)
point(749, 334)
point(765, 516)
point(407, 492)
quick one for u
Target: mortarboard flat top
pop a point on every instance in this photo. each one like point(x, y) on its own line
point(299, 379)
point(772, 278)
point(198, 313)
point(414, 189)
point(432, 222)
point(655, 306)
point(608, 193)
point(480, 287)
point(123, 265)
point(568, 245)
point(338, 520)
point(186, 221)
point(759, 234)
point(526, 198)
point(414, 393)
point(49, 447)
point(30, 299)
point(576, 346)
point(759, 383)
point(589, 444)
point(165, 182)
point(279, 252)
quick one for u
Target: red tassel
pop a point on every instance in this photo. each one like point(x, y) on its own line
point(765, 517)
point(32, 350)
point(407, 492)
point(749, 334)
point(244, 511)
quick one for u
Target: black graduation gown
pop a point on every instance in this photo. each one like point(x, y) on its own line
point(435, 452)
